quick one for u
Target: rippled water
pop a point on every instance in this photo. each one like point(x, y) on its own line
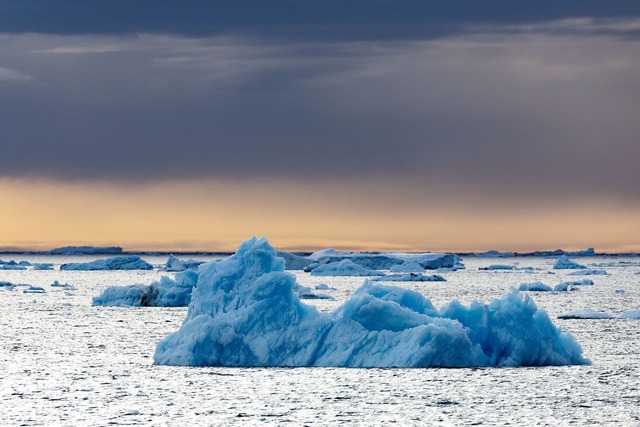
point(65, 362)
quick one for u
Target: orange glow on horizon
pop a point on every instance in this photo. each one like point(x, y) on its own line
point(40, 215)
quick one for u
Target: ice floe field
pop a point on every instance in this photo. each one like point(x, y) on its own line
point(66, 361)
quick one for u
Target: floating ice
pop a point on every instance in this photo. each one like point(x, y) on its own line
point(564, 263)
point(535, 287)
point(294, 261)
point(128, 262)
point(631, 314)
point(175, 264)
point(12, 267)
point(43, 266)
point(34, 290)
point(6, 285)
point(346, 267)
point(588, 313)
point(407, 267)
point(411, 277)
point(386, 260)
point(589, 272)
point(65, 286)
point(244, 312)
point(87, 250)
point(570, 285)
point(165, 292)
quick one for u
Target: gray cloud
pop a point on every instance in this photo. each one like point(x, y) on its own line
point(527, 112)
point(336, 20)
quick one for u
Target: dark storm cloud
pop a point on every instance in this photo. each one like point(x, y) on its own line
point(158, 93)
point(324, 19)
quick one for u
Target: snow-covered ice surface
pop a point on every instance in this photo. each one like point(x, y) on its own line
point(65, 362)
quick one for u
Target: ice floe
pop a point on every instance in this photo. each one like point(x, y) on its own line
point(411, 277)
point(564, 263)
point(128, 262)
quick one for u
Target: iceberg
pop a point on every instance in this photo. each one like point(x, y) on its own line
point(631, 314)
point(128, 262)
point(175, 264)
point(411, 277)
point(294, 261)
point(165, 292)
point(65, 286)
point(535, 287)
point(588, 313)
point(407, 267)
point(6, 285)
point(589, 272)
point(12, 267)
point(346, 267)
point(86, 250)
point(244, 311)
point(564, 263)
point(386, 260)
point(572, 284)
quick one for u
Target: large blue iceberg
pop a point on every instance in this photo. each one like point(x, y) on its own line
point(244, 311)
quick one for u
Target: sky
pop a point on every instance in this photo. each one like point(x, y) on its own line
point(359, 124)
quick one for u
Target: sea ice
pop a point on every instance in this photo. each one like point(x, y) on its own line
point(386, 260)
point(346, 267)
point(175, 264)
point(411, 277)
point(244, 311)
point(564, 263)
point(165, 292)
point(407, 267)
point(570, 285)
point(535, 287)
point(128, 262)
point(6, 285)
point(589, 272)
point(631, 314)
point(294, 261)
point(588, 313)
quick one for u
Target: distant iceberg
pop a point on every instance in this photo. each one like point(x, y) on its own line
point(588, 313)
point(293, 261)
point(572, 284)
point(346, 267)
point(244, 312)
point(564, 263)
point(385, 260)
point(535, 287)
point(631, 314)
point(411, 277)
point(165, 292)
point(407, 267)
point(87, 250)
point(128, 262)
point(589, 272)
point(175, 264)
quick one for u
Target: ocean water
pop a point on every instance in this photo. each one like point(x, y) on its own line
point(64, 362)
